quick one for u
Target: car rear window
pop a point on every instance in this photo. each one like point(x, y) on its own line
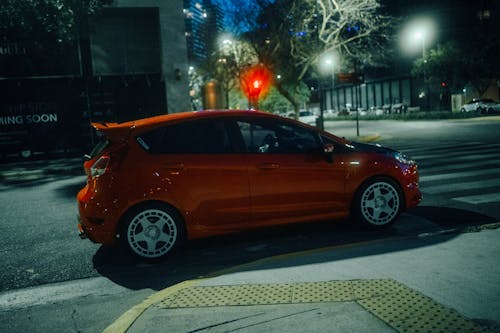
point(99, 148)
point(193, 137)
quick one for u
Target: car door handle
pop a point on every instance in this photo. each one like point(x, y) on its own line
point(268, 166)
point(174, 168)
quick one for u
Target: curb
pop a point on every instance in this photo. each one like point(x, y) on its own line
point(369, 138)
point(125, 321)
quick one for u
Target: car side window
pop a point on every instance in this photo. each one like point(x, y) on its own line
point(193, 137)
point(278, 137)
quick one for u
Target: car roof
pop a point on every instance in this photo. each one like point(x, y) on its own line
point(173, 117)
point(119, 130)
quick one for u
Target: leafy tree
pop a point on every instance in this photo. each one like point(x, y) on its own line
point(290, 36)
point(47, 28)
point(225, 65)
point(46, 20)
point(444, 63)
point(456, 64)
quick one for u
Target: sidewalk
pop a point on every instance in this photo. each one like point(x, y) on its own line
point(33, 170)
point(440, 283)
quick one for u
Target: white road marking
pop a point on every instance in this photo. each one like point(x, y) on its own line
point(462, 186)
point(480, 199)
point(458, 175)
point(57, 292)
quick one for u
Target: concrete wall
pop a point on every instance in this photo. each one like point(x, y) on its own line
point(173, 50)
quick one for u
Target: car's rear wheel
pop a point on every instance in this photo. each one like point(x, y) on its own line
point(152, 230)
point(378, 203)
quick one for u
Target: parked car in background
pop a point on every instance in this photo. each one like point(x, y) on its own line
point(399, 108)
point(481, 106)
point(307, 117)
point(154, 182)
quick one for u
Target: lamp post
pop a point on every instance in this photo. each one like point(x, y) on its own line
point(416, 36)
point(331, 64)
point(420, 36)
point(327, 66)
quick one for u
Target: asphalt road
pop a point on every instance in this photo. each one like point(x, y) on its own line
point(38, 216)
point(458, 162)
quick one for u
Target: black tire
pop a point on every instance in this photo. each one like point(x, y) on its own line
point(378, 203)
point(152, 230)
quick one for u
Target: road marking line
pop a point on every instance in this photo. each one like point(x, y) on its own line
point(460, 166)
point(461, 186)
point(457, 154)
point(479, 199)
point(57, 292)
point(462, 174)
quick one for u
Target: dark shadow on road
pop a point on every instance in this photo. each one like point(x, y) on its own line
point(451, 217)
point(203, 257)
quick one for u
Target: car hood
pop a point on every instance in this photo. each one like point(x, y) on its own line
point(371, 148)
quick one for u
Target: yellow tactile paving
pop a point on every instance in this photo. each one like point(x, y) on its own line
point(402, 308)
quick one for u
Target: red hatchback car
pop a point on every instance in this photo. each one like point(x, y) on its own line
point(157, 181)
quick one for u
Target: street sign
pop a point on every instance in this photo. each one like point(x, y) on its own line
point(350, 77)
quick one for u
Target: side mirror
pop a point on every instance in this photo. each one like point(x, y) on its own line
point(328, 150)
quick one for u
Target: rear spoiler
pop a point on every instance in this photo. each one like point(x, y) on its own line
point(114, 131)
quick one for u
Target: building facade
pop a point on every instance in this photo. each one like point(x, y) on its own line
point(131, 63)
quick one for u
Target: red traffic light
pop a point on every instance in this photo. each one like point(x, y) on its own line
point(255, 83)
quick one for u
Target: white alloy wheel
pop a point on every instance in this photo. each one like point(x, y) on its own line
point(152, 233)
point(379, 203)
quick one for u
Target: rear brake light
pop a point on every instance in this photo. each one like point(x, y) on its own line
point(100, 166)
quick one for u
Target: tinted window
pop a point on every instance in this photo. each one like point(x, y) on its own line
point(193, 137)
point(266, 136)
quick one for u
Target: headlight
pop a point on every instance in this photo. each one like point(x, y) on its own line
point(402, 158)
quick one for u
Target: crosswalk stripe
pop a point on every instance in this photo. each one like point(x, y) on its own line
point(458, 166)
point(494, 151)
point(450, 161)
point(469, 146)
point(462, 186)
point(444, 167)
point(455, 175)
point(480, 199)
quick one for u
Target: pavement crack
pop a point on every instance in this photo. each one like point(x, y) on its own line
point(225, 322)
point(272, 319)
point(75, 323)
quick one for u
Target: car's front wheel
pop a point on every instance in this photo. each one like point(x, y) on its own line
point(152, 230)
point(378, 203)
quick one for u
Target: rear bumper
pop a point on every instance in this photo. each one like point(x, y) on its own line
point(92, 223)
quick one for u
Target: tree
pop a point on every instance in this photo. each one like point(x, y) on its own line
point(39, 19)
point(290, 37)
point(444, 63)
point(47, 28)
point(456, 65)
point(226, 64)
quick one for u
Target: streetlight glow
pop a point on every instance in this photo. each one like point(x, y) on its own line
point(417, 35)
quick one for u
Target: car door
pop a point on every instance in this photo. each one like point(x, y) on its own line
point(290, 178)
point(207, 179)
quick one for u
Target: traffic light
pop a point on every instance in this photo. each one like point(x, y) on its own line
point(255, 83)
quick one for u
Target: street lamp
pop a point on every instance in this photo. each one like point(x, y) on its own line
point(416, 37)
point(327, 66)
